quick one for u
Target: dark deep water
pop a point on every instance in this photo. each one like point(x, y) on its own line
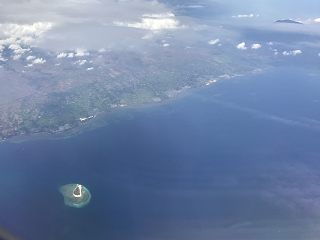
point(236, 160)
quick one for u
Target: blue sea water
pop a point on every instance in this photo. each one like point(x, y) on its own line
point(236, 160)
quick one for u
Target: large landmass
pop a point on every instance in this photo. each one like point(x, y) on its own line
point(62, 94)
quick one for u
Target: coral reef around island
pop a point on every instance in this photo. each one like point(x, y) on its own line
point(75, 195)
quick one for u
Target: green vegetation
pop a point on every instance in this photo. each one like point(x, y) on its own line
point(127, 80)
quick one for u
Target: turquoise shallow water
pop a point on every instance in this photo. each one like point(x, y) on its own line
point(235, 159)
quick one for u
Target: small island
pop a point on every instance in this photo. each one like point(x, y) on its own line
point(75, 195)
point(288, 21)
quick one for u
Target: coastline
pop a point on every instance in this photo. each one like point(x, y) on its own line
point(98, 121)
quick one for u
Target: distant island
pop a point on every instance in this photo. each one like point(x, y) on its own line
point(288, 21)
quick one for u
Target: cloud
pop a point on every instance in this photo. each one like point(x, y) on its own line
point(30, 58)
point(317, 20)
point(38, 61)
point(161, 15)
point(242, 46)
point(23, 33)
point(270, 43)
point(81, 52)
point(3, 59)
point(244, 16)
point(275, 53)
point(81, 62)
point(319, 54)
point(255, 46)
point(70, 55)
point(147, 36)
point(62, 55)
point(91, 68)
point(54, 25)
point(193, 6)
point(98, 23)
point(101, 50)
point(166, 45)
point(153, 22)
point(293, 53)
point(34, 30)
point(17, 49)
point(16, 57)
point(212, 42)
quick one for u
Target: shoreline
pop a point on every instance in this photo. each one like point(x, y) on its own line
point(97, 119)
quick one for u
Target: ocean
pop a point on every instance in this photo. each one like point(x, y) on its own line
point(238, 159)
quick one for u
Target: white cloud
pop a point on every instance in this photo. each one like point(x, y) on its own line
point(16, 57)
point(38, 61)
point(161, 15)
point(70, 55)
point(166, 45)
point(14, 46)
point(1, 48)
point(293, 53)
point(275, 53)
point(3, 59)
point(270, 43)
point(319, 54)
point(7, 41)
point(242, 46)
point(24, 33)
point(57, 64)
point(29, 65)
point(21, 50)
point(243, 16)
point(214, 41)
point(193, 6)
point(147, 36)
point(30, 57)
point(317, 20)
point(36, 29)
point(26, 40)
point(101, 50)
point(91, 68)
point(255, 46)
point(81, 62)
point(61, 55)
point(17, 49)
point(81, 52)
point(153, 22)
